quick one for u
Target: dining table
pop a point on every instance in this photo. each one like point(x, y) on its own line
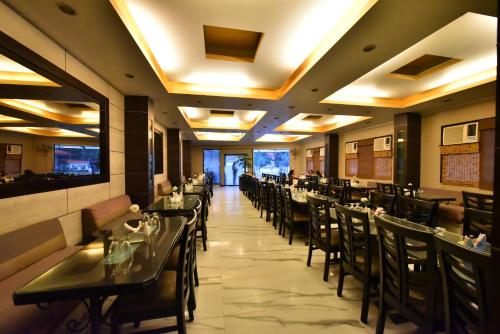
point(167, 207)
point(435, 198)
point(300, 197)
point(194, 190)
point(90, 276)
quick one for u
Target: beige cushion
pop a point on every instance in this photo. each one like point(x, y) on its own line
point(165, 188)
point(21, 248)
point(451, 217)
point(101, 214)
point(29, 318)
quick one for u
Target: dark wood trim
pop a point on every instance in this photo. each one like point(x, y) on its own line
point(71, 89)
point(332, 155)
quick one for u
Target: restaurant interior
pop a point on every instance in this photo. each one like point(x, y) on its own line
point(305, 166)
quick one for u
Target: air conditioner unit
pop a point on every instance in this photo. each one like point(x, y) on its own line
point(14, 149)
point(382, 144)
point(351, 148)
point(309, 153)
point(461, 134)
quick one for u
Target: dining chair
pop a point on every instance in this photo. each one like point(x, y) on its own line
point(409, 278)
point(478, 201)
point(383, 200)
point(403, 190)
point(477, 221)
point(345, 182)
point(385, 188)
point(201, 228)
point(168, 297)
point(417, 210)
point(464, 274)
point(321, 234)
point(272, 203)
point(337, 192)
point(280, 208)
point(292, 216)
point(355, 253)
point(323, 189)
point(266, 200)
point(258, 194)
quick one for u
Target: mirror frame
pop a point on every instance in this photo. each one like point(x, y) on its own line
point(71, 89)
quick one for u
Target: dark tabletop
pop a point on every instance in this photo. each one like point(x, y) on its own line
point(166, 207)
point(435, 198)
point(85, 274)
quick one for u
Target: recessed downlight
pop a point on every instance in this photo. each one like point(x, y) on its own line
point(291, 107)
point(198, 101)
point(130, 75)
point(314, 90)
point(369, 48)
point(448, 100)
point(276, 118)
point(66, 9)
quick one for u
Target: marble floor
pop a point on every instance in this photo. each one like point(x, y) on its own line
point(252, 281)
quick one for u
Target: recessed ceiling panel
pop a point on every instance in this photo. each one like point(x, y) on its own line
point(278, 138)
point(219, 136)
point(229, 119)
point(46, 132)
point(464, 56)
point(12, 73)
point(318, 123)
point(184, 41)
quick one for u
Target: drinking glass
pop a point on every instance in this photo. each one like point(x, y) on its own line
point(114, 248)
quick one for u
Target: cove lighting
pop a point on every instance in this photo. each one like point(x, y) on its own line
point(219, 136)
point(276, 138)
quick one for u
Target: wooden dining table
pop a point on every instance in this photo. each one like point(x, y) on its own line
point(87, 276)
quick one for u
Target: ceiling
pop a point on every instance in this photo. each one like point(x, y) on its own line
point(393, 26)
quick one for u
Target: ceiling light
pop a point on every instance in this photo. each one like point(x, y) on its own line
point(314, 90)
point(129, 75)
point(291, 107)
point(233, 119)
point(13, 73)
point(369, 48)
point(276, 118)
point(275, 138)
point(219, 136)
point(66, 9)
point(304, 122)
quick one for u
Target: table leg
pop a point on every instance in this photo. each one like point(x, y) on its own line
point(95, 315)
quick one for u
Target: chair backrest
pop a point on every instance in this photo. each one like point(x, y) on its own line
point(477, 221)
point(337, 192)
point(183, 264)
point(385, 188)
point(478, 201)
point(204, 205)
point(288, 208)
point(354, 230)
point(280, 205)
point(385, 201)
point(271, 195)
point(345, 182)
point(416, 210)
point(408, 269)
point(403, 190)
point(323, 188)
point(319, 221)
point(464, 274)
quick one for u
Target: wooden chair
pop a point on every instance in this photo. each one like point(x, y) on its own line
point(201, 227)
point(167, 298)
point(385, 201)
point(464, 274)
point(409, 275)
point(337, 192)
point(345, 182)
point(355, 253)
point(323, 189)
point(321, 234)
point(478, 221)
point(258, 194)
point(292, 216)
point(385, 188)
point(478, 201)
point(266, 200)
point(272, 203)
point(403, 190)
point(280, 208)
point(416, 210)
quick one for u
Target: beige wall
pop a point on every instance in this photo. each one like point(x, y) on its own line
point(65, 203)
point(384, 129)
point(431, 140)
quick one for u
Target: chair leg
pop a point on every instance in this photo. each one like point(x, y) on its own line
point(382, 311)
point(309, 255)
point(366, 301)
point(261, 210)
point(115, 328)
point(137, 324)
point(181, 323)
point(191, 315)
point(340, 284)
point(327, 267)
point(291, 234)
point(196, 281)
point(204, 238)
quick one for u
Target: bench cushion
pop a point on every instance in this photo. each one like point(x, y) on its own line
point(29, 318)
point(165, 188)
point(451, 217)
point(21, 248)
point(98, 215)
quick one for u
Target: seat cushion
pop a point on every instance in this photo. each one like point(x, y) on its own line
point(160, 299)
point(23, 247)
point(98, 215)
point(29, 318)
point(451, 217)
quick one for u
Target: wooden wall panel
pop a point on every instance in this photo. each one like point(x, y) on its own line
point(487, 159)
point(365, 161)
point(174, 159)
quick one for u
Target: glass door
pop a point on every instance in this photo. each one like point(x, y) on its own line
point(211, 163)
point(232, 169)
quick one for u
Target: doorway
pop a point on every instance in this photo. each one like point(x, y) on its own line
point(211, 163)
point(232, 169)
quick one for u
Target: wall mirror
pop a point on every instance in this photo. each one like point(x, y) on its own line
point(53, 128)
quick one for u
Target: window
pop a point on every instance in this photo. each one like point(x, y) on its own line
point(369, 158)
point(158, 140)
point(76, 160)
point(271, 161)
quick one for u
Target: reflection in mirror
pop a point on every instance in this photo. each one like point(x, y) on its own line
point(50, 126)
